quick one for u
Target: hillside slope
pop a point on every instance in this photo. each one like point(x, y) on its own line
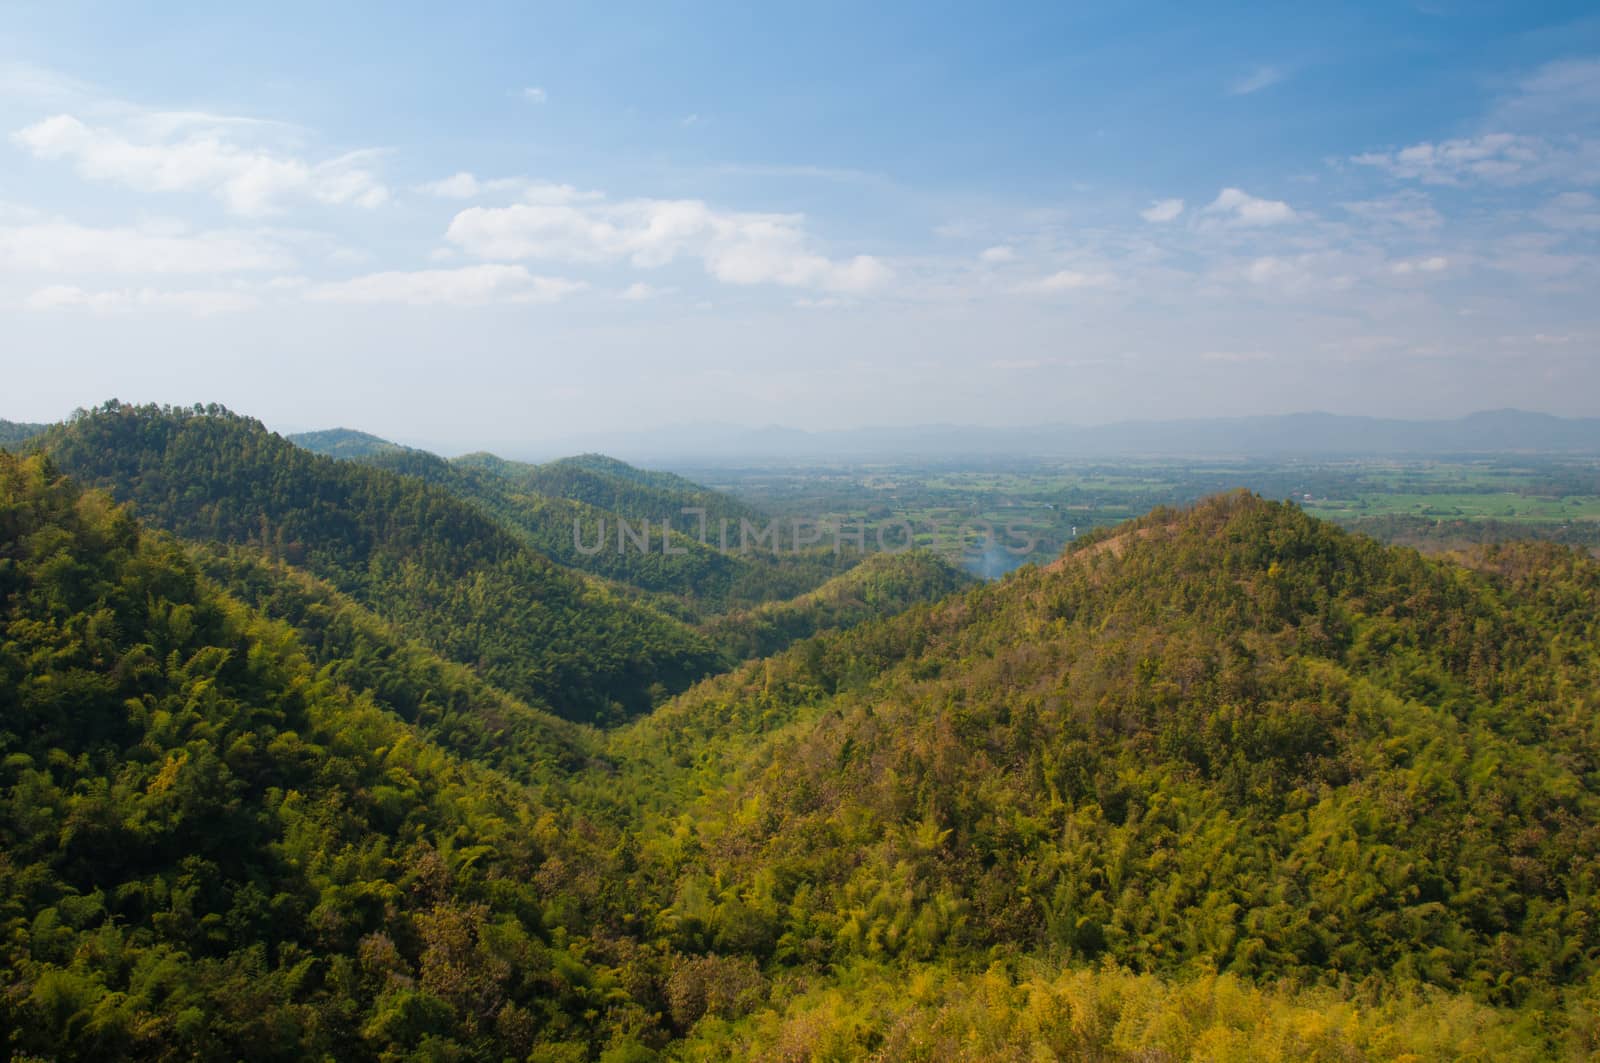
point(1225, 783)
point(880, 586)
point(439, 569)
point(1232, 738)
point(210, 850)
point(571, 511)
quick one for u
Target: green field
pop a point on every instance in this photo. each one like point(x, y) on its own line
point(1500, 505)
point(1430, 504)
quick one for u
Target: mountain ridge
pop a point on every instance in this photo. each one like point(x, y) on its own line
point(423, 559)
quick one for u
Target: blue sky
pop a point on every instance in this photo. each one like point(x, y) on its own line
point(502, 224)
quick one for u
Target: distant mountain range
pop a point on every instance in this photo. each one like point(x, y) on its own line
point(1283, 435)
point(1271, 436)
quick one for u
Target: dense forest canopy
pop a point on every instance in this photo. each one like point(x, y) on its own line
point(435, 566)
point(575, 518)
point(282, 775)
point(213, 850)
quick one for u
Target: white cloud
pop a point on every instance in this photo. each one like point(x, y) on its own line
point(1241, 208)
point(197, 303)
point(464, 185)
point(1162, 210)
point(735, 247)
point(1575, 211)
point(1432, 264)
point(1500, 157)
point(1270, 269)
point(1409, 210)
point(1545, 129)
point(1255, 81)
point(1234, 357)
point(640, 291)
point(1313, 273)
point(1068, 280)
point(61, 247)
point(170, 151)
point(531, 191)
point(467, 286)
point(996, 255)
point(457, 186)
point(534, 94)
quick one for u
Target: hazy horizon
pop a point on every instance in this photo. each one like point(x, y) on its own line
point(702, 440)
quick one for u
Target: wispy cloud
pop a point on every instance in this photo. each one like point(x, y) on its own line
point(1491, 157)
point(1573, 211)
point(464, 185)
point(457, 186)
point(64, 247)
point(639, 292)
point(1559, 97)
point(1431, 264)
point(1260, 78)
point(177, 151)
point(534, 94)
point(467, 286)
point(1546, 129)
point(1162, 210)
point(1410, 209)
point(1071, 280)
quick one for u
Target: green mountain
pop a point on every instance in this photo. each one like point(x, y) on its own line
point(344, 443)
point(618, 487)
point(571, 511)
point(13, 433)
point(448, 703)
point(1233, 740)
point(211, 849)
point(438, 569)
point(1226, 782)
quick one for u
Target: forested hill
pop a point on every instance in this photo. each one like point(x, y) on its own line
point(435, 566)
point(1233, 738)
point(211, 850)
point(550, 508)
point(344, 443)
point(882, 585)
point(613, 485)
point(13, 432)
point(1222, 783)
